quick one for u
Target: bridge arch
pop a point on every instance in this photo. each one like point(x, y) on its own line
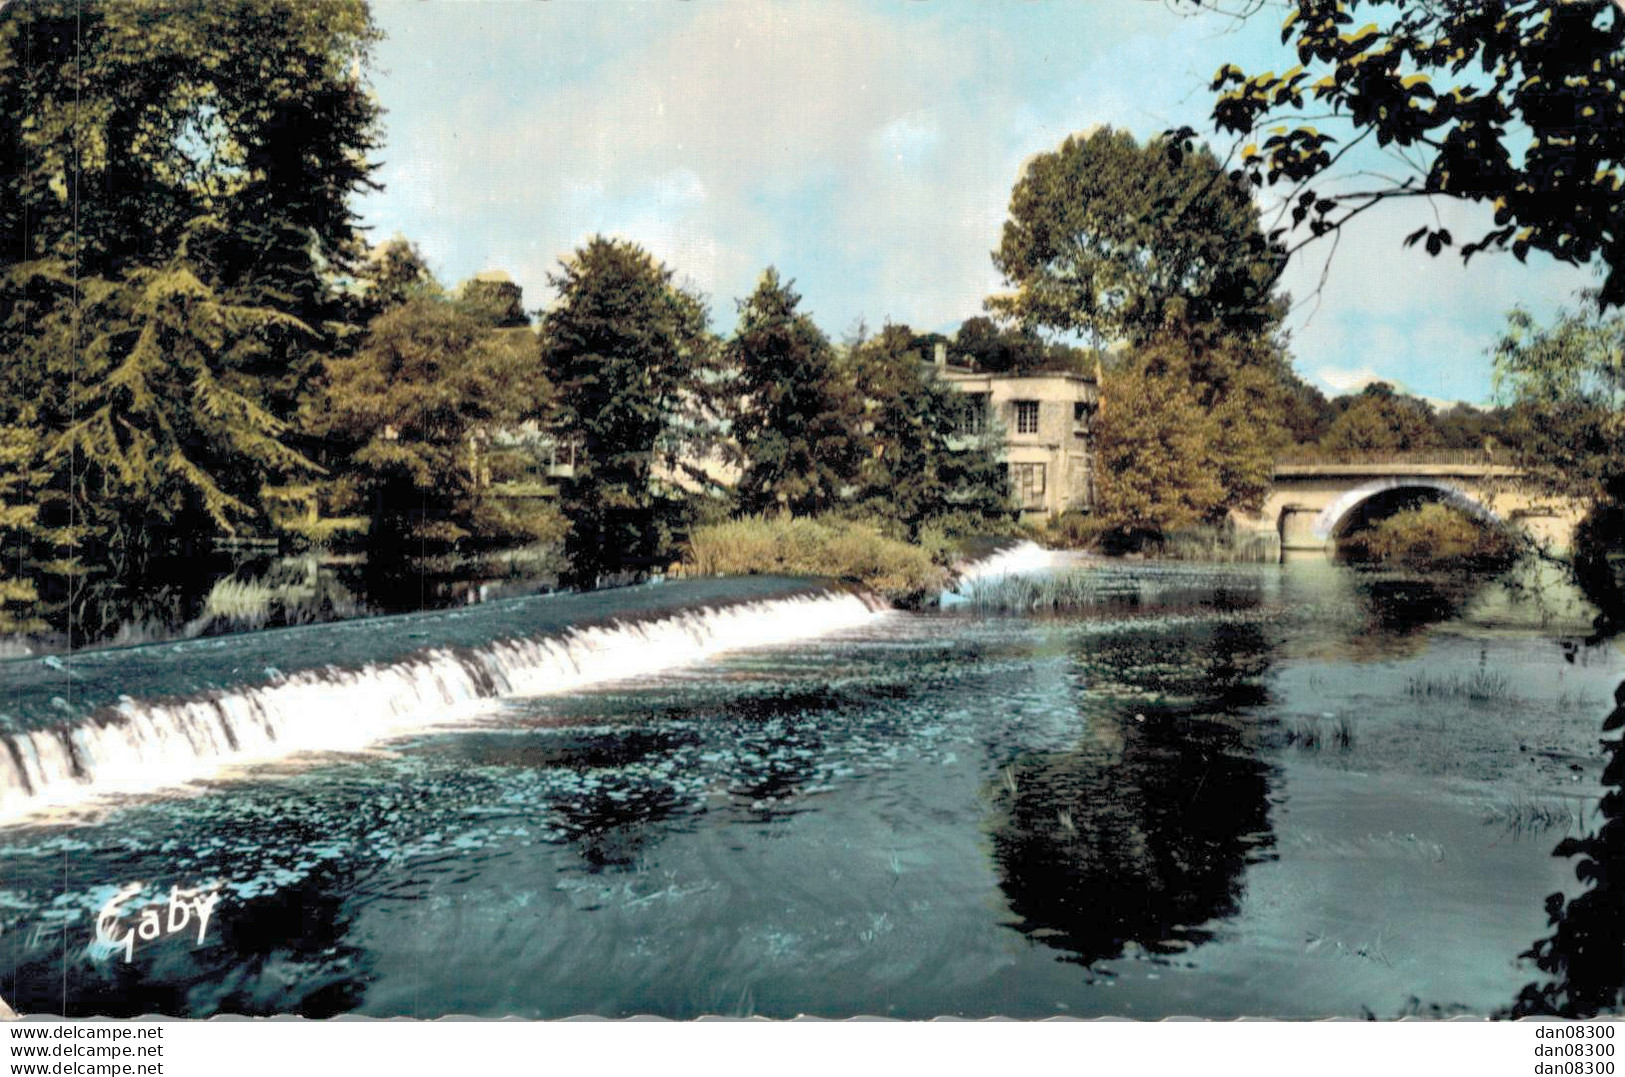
point(1332, 521)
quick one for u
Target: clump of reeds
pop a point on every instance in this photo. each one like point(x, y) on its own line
point(1213, 543)
point(293, 592)
point(1481, 685)
point(1219, 544)
point(1050, 591)
point(1532, 816)
point(1310, 735)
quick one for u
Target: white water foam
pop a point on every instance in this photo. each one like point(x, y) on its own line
point(142, 746)
point(1020, 559)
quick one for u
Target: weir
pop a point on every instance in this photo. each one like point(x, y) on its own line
point(1021, 559)
point(147, 717)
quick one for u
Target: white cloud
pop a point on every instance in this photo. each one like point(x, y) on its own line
point(1339, 380)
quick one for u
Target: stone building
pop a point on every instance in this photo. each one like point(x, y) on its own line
point(1045, 424)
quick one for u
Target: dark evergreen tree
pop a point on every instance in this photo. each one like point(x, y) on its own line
point(795, 418)
point(626, 349)
point(928, 456)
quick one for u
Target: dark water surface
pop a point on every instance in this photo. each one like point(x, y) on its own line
point(1289, 791)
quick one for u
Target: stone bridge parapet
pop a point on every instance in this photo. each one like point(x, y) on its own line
point(1313, 500)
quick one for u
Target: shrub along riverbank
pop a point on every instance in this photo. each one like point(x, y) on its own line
point(813, 546)
point(864, 552)
point(1434, 537)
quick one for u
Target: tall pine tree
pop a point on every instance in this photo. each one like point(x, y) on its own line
point(625, 348)
point(795, 418)
point(167, 431)
point(174, 214)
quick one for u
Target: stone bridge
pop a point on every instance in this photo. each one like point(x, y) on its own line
point(1314, 503)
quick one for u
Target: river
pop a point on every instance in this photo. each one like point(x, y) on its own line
point(1286, 791)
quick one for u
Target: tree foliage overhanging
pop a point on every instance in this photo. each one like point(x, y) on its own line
point(1517, 104)
point(140, 118)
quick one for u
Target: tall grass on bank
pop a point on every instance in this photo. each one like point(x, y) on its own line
point(814, 546)
point(296, 590)
point(1220, 544)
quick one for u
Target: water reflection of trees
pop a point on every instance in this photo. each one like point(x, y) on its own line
point(617, 813)
point(1585, 954)
point(1141, 831)
point(1366, 615)
point(629, 806)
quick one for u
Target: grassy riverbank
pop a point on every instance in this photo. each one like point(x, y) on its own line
point(1215, 543)
point(817, 546)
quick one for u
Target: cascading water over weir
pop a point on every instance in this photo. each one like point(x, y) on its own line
point(148, 717)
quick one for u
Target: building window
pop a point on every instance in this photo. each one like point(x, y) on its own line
point(1026, 416)
point(1027, 480)
point(973, 417)
point(1081, 419)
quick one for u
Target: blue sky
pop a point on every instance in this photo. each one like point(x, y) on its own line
point(867, 149)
